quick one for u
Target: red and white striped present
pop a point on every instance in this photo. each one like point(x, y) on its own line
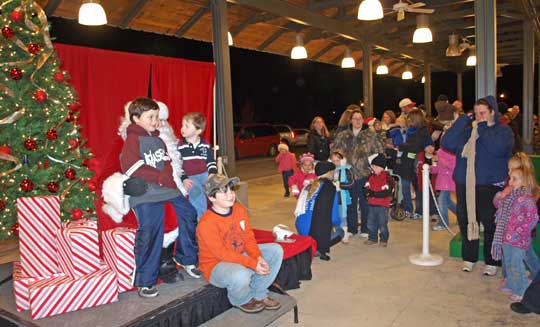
point(118, 251)
point(21, 286)
point(54, 296)
point(78, 248)
point(39, 219)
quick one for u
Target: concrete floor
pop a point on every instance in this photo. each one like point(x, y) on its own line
point(373, 286)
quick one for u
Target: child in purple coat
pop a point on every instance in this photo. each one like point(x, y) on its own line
point(443, 167)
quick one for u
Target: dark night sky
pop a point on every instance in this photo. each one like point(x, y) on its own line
point(278, 88)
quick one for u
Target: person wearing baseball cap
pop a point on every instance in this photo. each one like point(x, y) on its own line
point(406, 105)
point(229, 256)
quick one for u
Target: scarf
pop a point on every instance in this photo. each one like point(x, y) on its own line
point(469, 152)
point(344, 195)
point(501, 217)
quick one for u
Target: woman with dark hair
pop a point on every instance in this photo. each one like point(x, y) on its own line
point(318, 142)
point(483, 147)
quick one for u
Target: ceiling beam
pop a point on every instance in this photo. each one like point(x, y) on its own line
point(305, 17)
point(284, 29)
point(132, 13)
point(51, 7)
point(253, 18)
point(191, 21)
point(324, 50)
point(321, 5)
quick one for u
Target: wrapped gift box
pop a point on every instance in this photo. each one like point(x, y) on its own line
point(21, 286)
point(118, 245)
point(78, 248)
point(39, 219)
point(58, 295)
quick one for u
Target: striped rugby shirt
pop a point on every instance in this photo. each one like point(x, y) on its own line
point(196, 158)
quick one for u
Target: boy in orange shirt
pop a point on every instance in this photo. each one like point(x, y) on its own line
point(229, 256)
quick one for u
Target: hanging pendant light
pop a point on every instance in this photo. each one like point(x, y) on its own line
point(407, 74)
point(471, 60)
point(370, 10)
point(453, 46)
point(348, 60)
point(422, 33)
point(299, 52)
point(382, 69)
point(92, 13)
point(229, 37)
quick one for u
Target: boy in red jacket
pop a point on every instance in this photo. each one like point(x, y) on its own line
point(378, 190)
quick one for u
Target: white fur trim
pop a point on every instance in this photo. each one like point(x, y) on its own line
point(163, 110)
point(170, 237)
point(166, 133)
point(116, 202)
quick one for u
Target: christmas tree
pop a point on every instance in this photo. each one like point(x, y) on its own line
point(41, 151)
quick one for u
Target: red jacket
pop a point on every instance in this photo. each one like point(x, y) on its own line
point(379, 188)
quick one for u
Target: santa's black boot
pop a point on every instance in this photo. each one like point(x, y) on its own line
point(167, 268)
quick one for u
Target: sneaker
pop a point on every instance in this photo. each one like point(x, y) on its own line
point(490, 270)
point(518, 307)
point(191, 270)
point(370, 242)
point(287, 195)
point(505, 290)
point(346, 237)
point(253, 306)
point(416, 216)
point(364, 235)
point(515, 298)
point(324, 257)
point(437, 228)
point(270, 303)
point(383, 244)
point(172, 277)
point(148, 292)
point(467, 266)
point(434, 218)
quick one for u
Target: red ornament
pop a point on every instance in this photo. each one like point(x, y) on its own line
point(26, 185)
point(74, 107)
point(5, 149)
point(30, 144)
point(76, 214)
point(2, 205)
point(7, 32)
point(70, 117)
point(34, 48)
point(73, 144)
point(53, 187)
point(16, 16)
point(70, 173)
point(52, 134)
point(92, 186)
point(45, 164)
point(59, 77)
point(15, 73)
point(15, 229)
point(40, 96)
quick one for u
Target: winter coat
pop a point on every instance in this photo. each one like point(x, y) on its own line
point(417, 140)
point(318, 145)
point(358, 148)
point(397, 135)
point(493, 150)
point(299, 179)
point(444, 170)
point(379, 188)
point(286, 161)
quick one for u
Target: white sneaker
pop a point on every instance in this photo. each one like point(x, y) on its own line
point(345, 238)
point(191, 270)
point(364, 235)
point(490, 270)
point(467, 266)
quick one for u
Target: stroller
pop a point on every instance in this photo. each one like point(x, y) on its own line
point(396, 211)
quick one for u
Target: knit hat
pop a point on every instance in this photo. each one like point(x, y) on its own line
point(163, 110)
point(307, 157)
point(323, 167)
point(370, 121)
point(493, 105)
point(442, 97)
point(379, 160)
point(283, 146)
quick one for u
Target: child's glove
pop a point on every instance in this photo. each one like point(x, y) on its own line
point(295, 190)
point(367, 185)
point(385, 187)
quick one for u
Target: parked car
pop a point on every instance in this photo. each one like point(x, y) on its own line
point(301, 135)
point(287, 134)
point(255, 139)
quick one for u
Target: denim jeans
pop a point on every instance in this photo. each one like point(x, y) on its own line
point(285, 175)
point(243, 283)
point(197, 193)
point(532, 262)
point(514, 263)
point(407, 198)
point(378, 220)
point(445, 204)
point(149, 238)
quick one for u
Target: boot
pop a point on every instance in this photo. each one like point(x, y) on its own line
point(346, 235)
point(167, 265)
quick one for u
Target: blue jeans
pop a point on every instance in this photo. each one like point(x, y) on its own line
point(285, 175)
point(445, 204)
point(378, 220)
point(149, 238)
point(197, 194)
point(532, 262)
point(244, 284)
point(514, 263)
point(407, 198)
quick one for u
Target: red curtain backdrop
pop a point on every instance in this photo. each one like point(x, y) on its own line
point(185, 86)
point(105, 81)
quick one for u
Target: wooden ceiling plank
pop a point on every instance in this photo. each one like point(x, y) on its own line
point(324, 50)
point(277, 34)
point(191, 21)
point(132, 13)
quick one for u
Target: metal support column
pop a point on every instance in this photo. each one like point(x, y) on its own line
point(427, 87)
point(460, 87)
point(486, 50)
point(367, 79)
point(528, 85)
point(223, 90)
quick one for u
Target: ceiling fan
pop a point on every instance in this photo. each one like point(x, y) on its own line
point(402, 6)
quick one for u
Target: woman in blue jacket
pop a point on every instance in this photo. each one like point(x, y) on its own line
point(483, 147)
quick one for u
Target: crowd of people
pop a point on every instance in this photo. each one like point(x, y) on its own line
point(354, 179)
